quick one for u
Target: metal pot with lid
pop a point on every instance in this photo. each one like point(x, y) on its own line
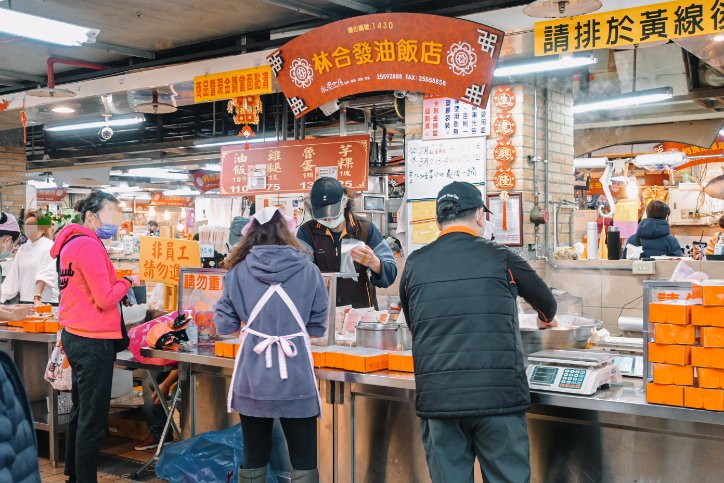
point(380, 336)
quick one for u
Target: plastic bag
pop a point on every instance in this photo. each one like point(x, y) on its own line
point(633, 252)
point(57, 371)
point(137, 336)
point(209, 457)
point(346, 262)
point(155, 301)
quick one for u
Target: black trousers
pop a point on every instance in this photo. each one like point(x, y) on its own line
point(300, 434)
point(91, 361)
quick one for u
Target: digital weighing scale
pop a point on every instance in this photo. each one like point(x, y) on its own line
point(571, 371)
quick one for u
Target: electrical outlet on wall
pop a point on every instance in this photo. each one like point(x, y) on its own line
point(642, 267)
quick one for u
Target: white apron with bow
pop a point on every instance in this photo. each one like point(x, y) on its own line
point(284, 343)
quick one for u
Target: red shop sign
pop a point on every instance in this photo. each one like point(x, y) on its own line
point(444, 56)
point(159, 199)
point(50, 194)
point(206, 180)
point(293, 166)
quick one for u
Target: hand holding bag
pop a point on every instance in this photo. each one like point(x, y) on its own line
point(58, 372)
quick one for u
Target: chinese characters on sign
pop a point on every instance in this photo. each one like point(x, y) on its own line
point(160, 199)
point(393, 51)
point(161, 259)
point(50, 194)
point(431, 165)
point(293, 166)
point(203, 281)
point(205, 180)
point(449, 118)
point(664, 21)
point(236, 83)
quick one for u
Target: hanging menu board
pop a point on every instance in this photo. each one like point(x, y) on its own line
point(293, 166)
point(433, 164)
point(430, 165)
point(445, 118)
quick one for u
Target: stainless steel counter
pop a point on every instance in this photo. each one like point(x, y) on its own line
point(369, 430)
point(16, 333)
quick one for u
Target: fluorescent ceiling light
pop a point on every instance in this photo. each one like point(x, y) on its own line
point(44, 29)
point(181, 192)
point(626, 100)
point(667, 158)
point(140, 195)
point(539, 66)
point(63, 110)
point(123, 188)
point(155, 173)
point(124, 121)
point(590, 163)
point(719, 38)
point(212, 167)
point(226, 143)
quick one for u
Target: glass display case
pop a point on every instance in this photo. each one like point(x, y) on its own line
point(199, 290)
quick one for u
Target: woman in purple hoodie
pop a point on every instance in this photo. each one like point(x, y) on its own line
point(277, 297)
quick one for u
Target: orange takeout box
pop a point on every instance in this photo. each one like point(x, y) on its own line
point(675, 312)
point(710, 399)
point(361, 359)
point(678, 375)
point(43, 309)
point(707, 357)
point(711, 292)
point(674, 334)
point(664, 394)
point(707, 316)
point(710, 378)
point(34, 326)
point(679, 355)
point(401, 362)
point(226, 348)
point(711, 336)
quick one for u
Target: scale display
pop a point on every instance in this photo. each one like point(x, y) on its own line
point(544, 375)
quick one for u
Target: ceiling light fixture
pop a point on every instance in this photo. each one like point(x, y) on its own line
point(44, 29)
point(63, 110)
point(719, 38)
point(116, 122)
point(155, 173)
point(226, 143)
point(212, 167)
point(508, 69)
point(181, 192)
point(625, 101)
point(122, 188)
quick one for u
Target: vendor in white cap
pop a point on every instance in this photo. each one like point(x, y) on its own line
point(9, 234)
point(333, 222)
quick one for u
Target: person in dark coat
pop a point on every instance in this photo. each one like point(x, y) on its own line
point(654, 233)
point(458, 295)
point(18, 447)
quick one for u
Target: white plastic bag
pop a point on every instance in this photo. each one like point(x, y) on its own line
point(633, 252)
point(58, 371)
point(346, 262)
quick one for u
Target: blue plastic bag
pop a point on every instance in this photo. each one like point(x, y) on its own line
point(208, 457)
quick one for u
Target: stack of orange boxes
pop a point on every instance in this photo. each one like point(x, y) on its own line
point(688, 350)
point(226, 348)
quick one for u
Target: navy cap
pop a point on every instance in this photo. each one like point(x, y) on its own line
point(326, 198)
point(464, 196)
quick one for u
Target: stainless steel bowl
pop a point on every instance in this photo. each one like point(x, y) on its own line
point(405, 336)
point(379, 336)
point(573, 334)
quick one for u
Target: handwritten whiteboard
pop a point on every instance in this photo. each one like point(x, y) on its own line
point(432, 164)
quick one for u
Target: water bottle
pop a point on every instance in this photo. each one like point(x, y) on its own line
point(719, 247)
point(592, 235)
point(613, 243)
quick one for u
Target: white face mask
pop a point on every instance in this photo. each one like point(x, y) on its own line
point(333, 223)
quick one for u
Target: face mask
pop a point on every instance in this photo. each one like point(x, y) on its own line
point(6, 251)
point(334, 223)
point(106, 231)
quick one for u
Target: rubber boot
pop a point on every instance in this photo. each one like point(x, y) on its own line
point(254, 475)
point(305, 476)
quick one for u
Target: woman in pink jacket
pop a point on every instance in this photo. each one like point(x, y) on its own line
point(92, 326)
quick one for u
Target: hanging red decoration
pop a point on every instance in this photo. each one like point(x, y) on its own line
point(504, 98)
point(504, 152)
point(504, 179)
point(504, 125)
point(4, 104)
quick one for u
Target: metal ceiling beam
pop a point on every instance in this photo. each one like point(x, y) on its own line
point(21, 76)
point(353, 5)
point(301, 7)
point(120, 49)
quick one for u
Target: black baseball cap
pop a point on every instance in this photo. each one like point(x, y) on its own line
point(326, 198)
point(464, 196)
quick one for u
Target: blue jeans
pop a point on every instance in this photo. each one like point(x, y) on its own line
point(499, 442)
point(91, 361)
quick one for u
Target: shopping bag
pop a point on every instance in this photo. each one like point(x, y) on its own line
point(58, 372)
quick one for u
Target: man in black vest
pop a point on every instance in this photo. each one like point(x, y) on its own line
point(333, 222)
point(459, 299)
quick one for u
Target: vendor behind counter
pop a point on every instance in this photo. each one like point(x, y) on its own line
point(335, 222)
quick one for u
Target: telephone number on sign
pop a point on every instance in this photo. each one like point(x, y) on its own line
point(389, 76)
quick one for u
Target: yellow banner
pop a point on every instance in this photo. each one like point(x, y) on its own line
point(161, 259)
point(235, 83)
point(652, 23)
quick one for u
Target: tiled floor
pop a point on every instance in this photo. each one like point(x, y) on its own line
point(118, 461)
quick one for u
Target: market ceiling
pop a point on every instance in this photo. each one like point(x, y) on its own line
point(149, 33)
